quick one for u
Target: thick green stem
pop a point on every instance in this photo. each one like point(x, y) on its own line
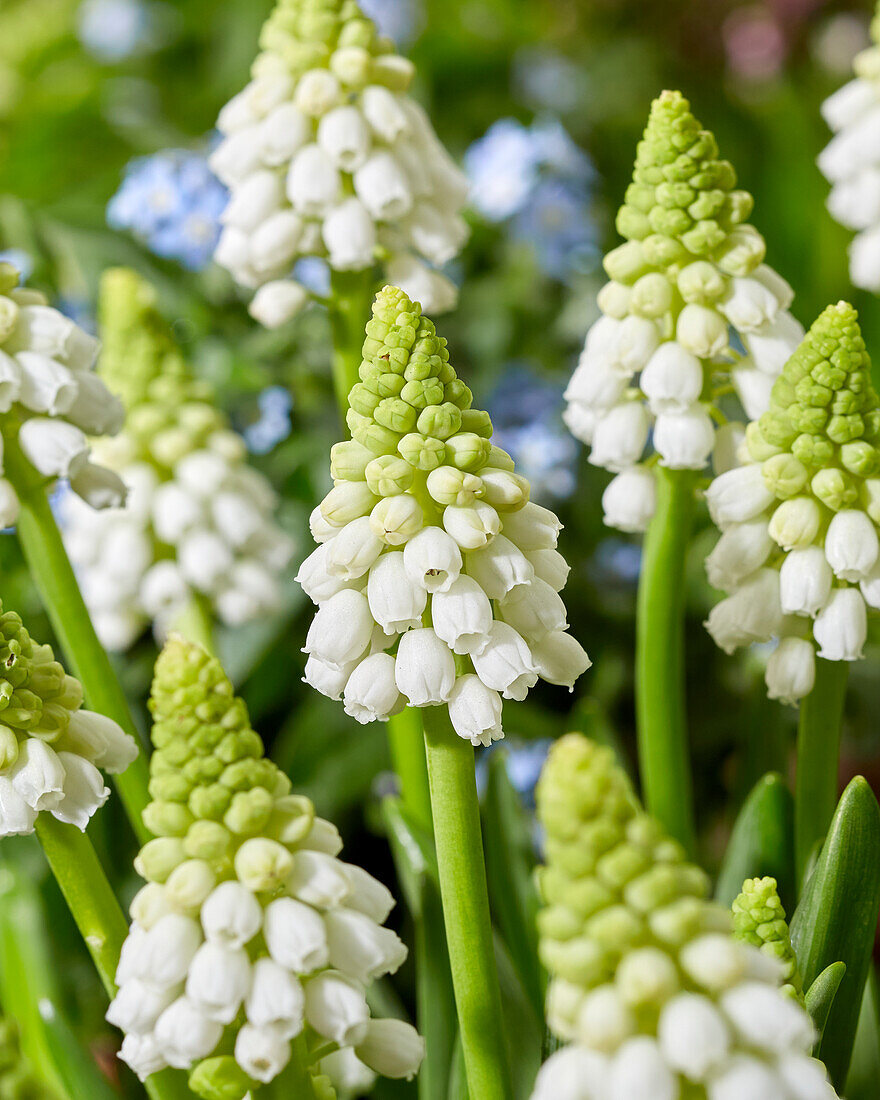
point(818, 749)
point(466, 906)
point(351, 298)
point(88, 661)
point(661, 716)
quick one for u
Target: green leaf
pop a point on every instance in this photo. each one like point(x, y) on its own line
point(762, 842)
point(510, 863)
point(837, 918)
point(820, 996)
point(864, 1072)
point(523, 1028)
point(79, 1074)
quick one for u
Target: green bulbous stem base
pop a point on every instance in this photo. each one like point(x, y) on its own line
point(661, 717)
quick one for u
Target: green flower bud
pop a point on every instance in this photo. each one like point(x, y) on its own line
point(651, 296)
point(468, 451)
point(870, 496)
point(447, 485)
point(347, 501)
point(388, 475)
point(249, 811)
point(208, 840)
point(292, 819)
point(158, 858)
point(759, 448)
point(167, 818)
point(375, 437)
point(422, 452)
point(626, 263)
point(349, 460)
point(422, 394)
point(796, 523)
point(784, 475)
point(742, 251)
point(478, 422)
point(504, 490)
point(615, 300)
point(759, 919)
point(8, 748)
point(190, 883)
point(262, 864)
point(663, 251)
point(440, 421)
point(834, 488)
point(701, 283)
point(458, 394)
point(500, 459)
point(220, 1078)
point(396, 414)
point(396, 519)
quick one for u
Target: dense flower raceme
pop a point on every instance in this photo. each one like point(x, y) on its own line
point(250, 936)
point(198, 519)
point(799, 551)
point(50, 748)
point(50, 398)
point(688, 284)
point(326, 155)
point(654, 995)
point(851, 163)
point(429, 546)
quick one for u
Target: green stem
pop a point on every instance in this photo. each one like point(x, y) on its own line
point(196, 623)
point(50, 567)
point(818, 749)
point(295, 1081)
point(407, 747)
point(661, 715)
point(351, 297)
point(98, 916)
point(466, 906)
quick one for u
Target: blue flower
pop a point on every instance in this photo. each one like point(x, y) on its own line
point(556, 222)
point(401, 20)
point(526, 413)
point(173, 203)
point(314, 274)
point(546, 79)
point(503, 167)
point(113, 30)
point(524, 761)
point(273, 425)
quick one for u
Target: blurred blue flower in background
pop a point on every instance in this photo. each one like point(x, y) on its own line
point(524, 761)
point(314, 274)
point(546, 79)
point(22, 261)
point(618, 561)
point(273, 425)
point(79, 309)
point(539, 177)
point(526, 414)
point(171, 202)
point(401, 20)
point(112, 30)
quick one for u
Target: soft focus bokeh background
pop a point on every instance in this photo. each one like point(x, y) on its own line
point(106, 114)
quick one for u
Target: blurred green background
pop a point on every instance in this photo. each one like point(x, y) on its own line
point(544, 102)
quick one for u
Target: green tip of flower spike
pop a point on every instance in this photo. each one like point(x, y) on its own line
point(409, 403)
point(613, 880)
point(208, 775)
point(759, 919)
point(682, 203)
point(824, 416)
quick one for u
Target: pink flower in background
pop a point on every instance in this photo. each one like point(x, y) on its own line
point(754, 43)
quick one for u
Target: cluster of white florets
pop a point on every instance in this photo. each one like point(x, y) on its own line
point(50, 397)
point(689, 283)
point(851, 164)
point(335, 160)
point(429, 546)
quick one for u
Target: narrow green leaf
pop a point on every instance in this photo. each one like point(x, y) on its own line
point(510, 863)
point(523, 1028)
point(762, 842)
point(864, 1072)
point(458, 1089)
point(837, 918)
point(820, 996)
point(79, 1074)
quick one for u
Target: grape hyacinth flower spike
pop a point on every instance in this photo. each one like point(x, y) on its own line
point(437, 581)
point(649, 988)
point(326, 155)
point(799, 552)
point(51, 750)
point(50, 401)
point(689, 281)
point(851, 162)
point(199, 524)
point(251, 943)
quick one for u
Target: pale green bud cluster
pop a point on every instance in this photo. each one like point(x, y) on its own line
point(650, 989)
point(759, 919)
point(17, 1079)
point(691, 269)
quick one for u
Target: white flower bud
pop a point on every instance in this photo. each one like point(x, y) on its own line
point(349, 233)
point(864, 264)
point(336, 1008)
point(382, 186)
point(254, 200)
point(505, 664)
point(167, 950)
point(371, 691)
point(435, 234)
point(46, 386)
point(702, 331)
point(353, 551)
point(16, 816)
point(849, 103)
point(534, 610)
point(499, 567)
point(620, 436)
point(218, 980)
point(773, 345)
point(9, 504)
point(84, 791)
point(751, 614)
point(324, 837)
point(573, 1073)
point(175, 511)
point(137, 1006)
point(472, 527)
point(295, 936)
point(100, 740)
point(393, 1048)
point(344, 135)
point(673, 379)
point(276, 998)
point(693, 1035)
point(384, 113)
point(432, 559)
point(53, 447)
point(231, 916)
point(141, 1054)
point(204, 559)
point(316, 580)
point(425, 668)
point(462, 615)
point(397, 519)
point(742, 548)
point(753, 387)
point(329, 680)
point(841, 626)
point(532, 528)
point(10, 381)
point(262, 1052)
point(422, 284)
point(185, 1034)
point(341, 629)
point(870, 587)
point(95, 409)
point(163, 589)
point(749, 304)
point(318, 879)
point(237, 156)
point(639, 1072)
point(851, 545)
point(361, 948)
point(274, 243)
point(805, 581)
point(46, 331)
point(396, 601)
point(321, 530)
point(684, 440)
point(560, 658)
point(313, 182)
point(629, 499)
point(475, 711)
point(317, 92)
point(282, 133)
point(796, 522)
point(366, 894)
point(636, 341)
point(767, 1021)
point(38, 774)
point(277, 302)
point(549, 566)
point(738, 495)
point(604, 1020)
point(806, 1078)
point(596, 382)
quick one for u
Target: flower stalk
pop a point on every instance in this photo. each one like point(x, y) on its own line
point(466, 905)
point(660, 675)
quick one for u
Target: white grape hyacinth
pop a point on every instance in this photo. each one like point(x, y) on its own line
point(50, 398)
point(851, 163)
point(436, 579)
point(690, 312)
point(326, 155)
